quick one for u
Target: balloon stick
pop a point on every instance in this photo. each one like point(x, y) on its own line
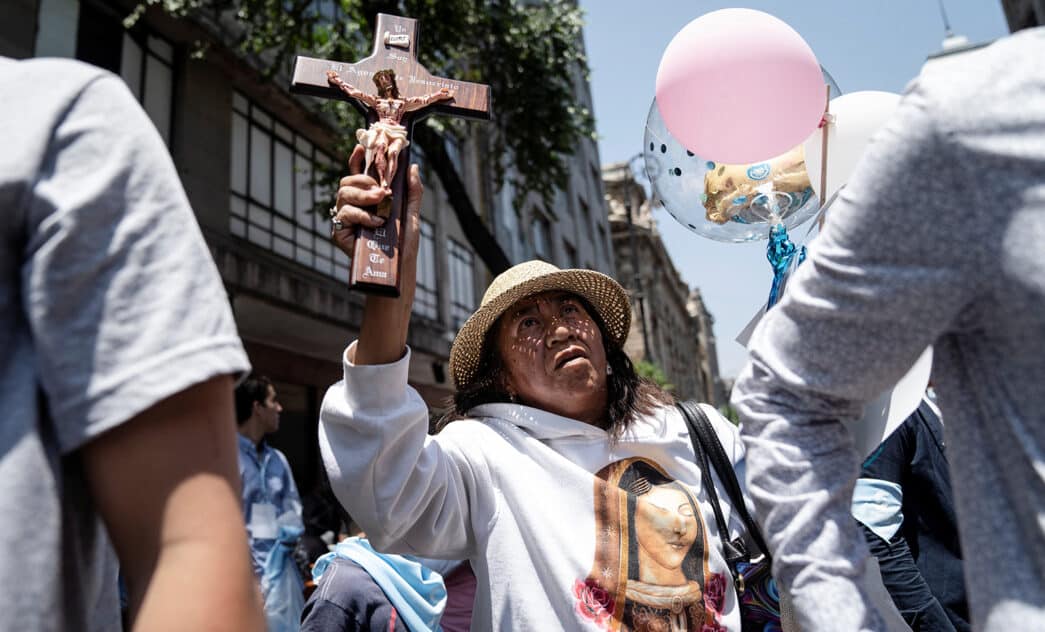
point(823, 152)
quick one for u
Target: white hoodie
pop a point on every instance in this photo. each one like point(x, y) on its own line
point(563, 528)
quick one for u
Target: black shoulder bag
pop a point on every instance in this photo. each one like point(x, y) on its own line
point(757, 593)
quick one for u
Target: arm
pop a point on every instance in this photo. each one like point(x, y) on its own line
point(132, 328)
point(407, 490)
point(165, 484)
point(416, 103)
point(382, 335)
point(350, 90)
point(411, 493)
point(881, 284)
point(905, 583)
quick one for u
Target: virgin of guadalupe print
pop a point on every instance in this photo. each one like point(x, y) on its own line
point(650, 572)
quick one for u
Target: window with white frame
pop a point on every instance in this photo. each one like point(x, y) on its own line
point(426, 296)
point(462, 282)
point(147, 65)
point(143, 60)
point(272, 196)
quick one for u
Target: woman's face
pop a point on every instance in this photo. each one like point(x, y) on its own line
point(665, 526)
point(553, 356)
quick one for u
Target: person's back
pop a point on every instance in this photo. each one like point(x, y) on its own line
point(111, 329)
point(991, 117)
point(362, 590)
point(350, 601)
point(937, 239)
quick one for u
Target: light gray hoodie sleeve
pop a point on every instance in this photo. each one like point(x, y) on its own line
point(408, 491)
point(883, 280)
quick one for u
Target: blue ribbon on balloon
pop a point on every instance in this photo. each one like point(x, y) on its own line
point(781, 251)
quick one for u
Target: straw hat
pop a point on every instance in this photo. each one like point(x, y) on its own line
point(604, 294)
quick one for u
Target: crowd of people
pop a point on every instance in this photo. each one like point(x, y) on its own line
point(561, 490)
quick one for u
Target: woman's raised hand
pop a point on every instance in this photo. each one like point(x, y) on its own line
point(354, 192)
point(382, 335)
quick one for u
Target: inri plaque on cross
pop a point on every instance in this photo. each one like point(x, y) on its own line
point(392, 90)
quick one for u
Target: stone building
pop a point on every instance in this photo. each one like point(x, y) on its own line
point(246, 150)
point(671, 328)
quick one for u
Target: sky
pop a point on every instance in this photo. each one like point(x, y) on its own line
point(869, 45)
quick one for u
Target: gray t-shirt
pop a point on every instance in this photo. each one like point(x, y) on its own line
point(109, 302)
point(939, 238)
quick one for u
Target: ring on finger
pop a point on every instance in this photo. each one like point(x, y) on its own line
point(332, 211)
point(337, 224)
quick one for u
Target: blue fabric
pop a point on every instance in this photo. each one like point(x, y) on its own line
point(416, 591)
point(267, 480)
point(281, 583)
point(878, 505)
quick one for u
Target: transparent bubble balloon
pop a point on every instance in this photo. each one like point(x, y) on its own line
point(731, 203)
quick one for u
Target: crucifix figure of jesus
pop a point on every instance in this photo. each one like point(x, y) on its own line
point(405, 92)
point(386, 137)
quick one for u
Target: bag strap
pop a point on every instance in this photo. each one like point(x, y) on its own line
point(732, 556)
point(707, 447)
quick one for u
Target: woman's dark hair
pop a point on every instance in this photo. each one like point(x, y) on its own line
point(628, 395)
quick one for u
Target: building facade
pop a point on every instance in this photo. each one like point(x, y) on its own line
point(670, 327)
point(246, 150)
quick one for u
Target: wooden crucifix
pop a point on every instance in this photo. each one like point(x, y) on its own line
point(392, 90)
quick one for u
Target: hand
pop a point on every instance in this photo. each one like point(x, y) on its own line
point(382, 334)
point(356, 190)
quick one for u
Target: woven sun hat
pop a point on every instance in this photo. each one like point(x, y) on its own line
point(604, 294)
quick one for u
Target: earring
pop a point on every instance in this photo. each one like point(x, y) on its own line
point(609, 370)
point(511, 397)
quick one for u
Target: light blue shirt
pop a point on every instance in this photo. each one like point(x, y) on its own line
point(270, 497)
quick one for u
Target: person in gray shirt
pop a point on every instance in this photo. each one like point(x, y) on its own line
point(939, 238)
point(116, 372)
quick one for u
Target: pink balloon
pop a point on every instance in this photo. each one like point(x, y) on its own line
point(738, 86)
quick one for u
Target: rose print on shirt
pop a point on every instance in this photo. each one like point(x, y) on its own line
point(715, 592)
point(593, 602)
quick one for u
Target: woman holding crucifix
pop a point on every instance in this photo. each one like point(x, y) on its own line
point(566, 480)
point(387, 136)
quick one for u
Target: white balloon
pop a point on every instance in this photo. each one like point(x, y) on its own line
point(857, 116)
point(886, 412)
